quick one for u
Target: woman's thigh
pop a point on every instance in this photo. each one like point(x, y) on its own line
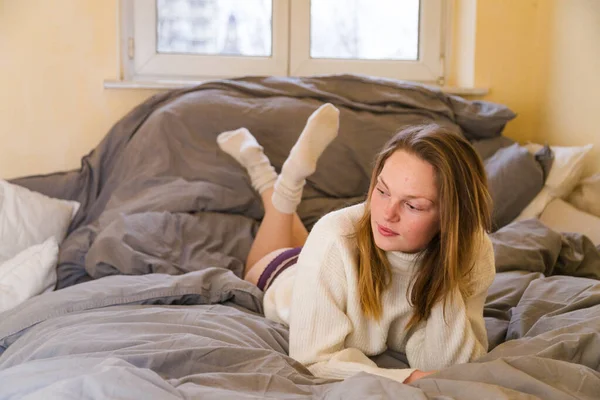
point(259, 267)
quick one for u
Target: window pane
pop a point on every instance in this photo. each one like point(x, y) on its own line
point(364, 29)
point(216, 27)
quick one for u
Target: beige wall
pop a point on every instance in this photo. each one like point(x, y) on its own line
point(541, 58)
point(510, 56)
point(537, 56)
point(570, 102)
point(503, 49)
point(54, 56)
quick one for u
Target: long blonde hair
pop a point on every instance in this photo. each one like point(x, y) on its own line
point(465, 213)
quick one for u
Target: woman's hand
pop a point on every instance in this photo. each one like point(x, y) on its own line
point(417, 374)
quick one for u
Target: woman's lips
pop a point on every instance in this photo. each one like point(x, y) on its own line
point(385, 232)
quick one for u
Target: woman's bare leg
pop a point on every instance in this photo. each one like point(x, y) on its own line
point(275, 231)
point(299, 232)
point(281, 227)
point(321, 128)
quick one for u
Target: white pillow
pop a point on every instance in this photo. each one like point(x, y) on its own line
point(28, 218)
point(537, 205)
point(29, 273)
point(564, 175)
point(586, 195)
point(563, 217)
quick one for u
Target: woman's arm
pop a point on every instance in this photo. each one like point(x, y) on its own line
point(459, 335)
point(318, 321)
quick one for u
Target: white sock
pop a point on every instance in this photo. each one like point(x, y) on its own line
point(241, 145)
point(321, 128)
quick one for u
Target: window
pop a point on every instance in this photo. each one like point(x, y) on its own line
point(199, 39)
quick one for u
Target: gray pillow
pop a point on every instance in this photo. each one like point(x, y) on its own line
point(515, 177)
point(488, 147)
point(545, 157)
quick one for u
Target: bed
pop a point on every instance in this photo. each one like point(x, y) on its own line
point(149, 302)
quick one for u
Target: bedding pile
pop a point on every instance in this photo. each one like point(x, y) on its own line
point(151, 304)
point(31, 228)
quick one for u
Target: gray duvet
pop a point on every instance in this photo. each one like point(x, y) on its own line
point(151, 304)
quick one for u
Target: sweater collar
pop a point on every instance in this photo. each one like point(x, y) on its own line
point(402, 261)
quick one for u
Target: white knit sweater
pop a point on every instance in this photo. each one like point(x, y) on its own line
point(329, 334)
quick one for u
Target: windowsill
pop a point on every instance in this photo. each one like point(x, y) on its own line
point(173, 84)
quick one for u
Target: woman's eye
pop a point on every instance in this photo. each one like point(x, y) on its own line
point(380, 191)
point(413, 207)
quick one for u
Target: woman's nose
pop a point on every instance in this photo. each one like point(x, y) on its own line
point(391, 213)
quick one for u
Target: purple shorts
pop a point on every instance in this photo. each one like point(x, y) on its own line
point(283, 261)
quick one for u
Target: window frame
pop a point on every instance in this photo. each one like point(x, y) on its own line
point(145, 62)
point(429, 67)
point(290, 49)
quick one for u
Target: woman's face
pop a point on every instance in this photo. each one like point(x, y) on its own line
point(405, 213)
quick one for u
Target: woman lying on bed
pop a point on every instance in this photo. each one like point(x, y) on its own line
point(408, 269)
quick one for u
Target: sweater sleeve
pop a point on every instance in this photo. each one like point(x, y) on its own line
point(459, 335)
point(318, 321)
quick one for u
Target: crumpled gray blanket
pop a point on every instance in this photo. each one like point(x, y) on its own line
point(201, 335)
point(159, 196)
point(167, 219)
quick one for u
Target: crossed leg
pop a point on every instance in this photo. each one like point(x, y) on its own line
point(281, 228)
